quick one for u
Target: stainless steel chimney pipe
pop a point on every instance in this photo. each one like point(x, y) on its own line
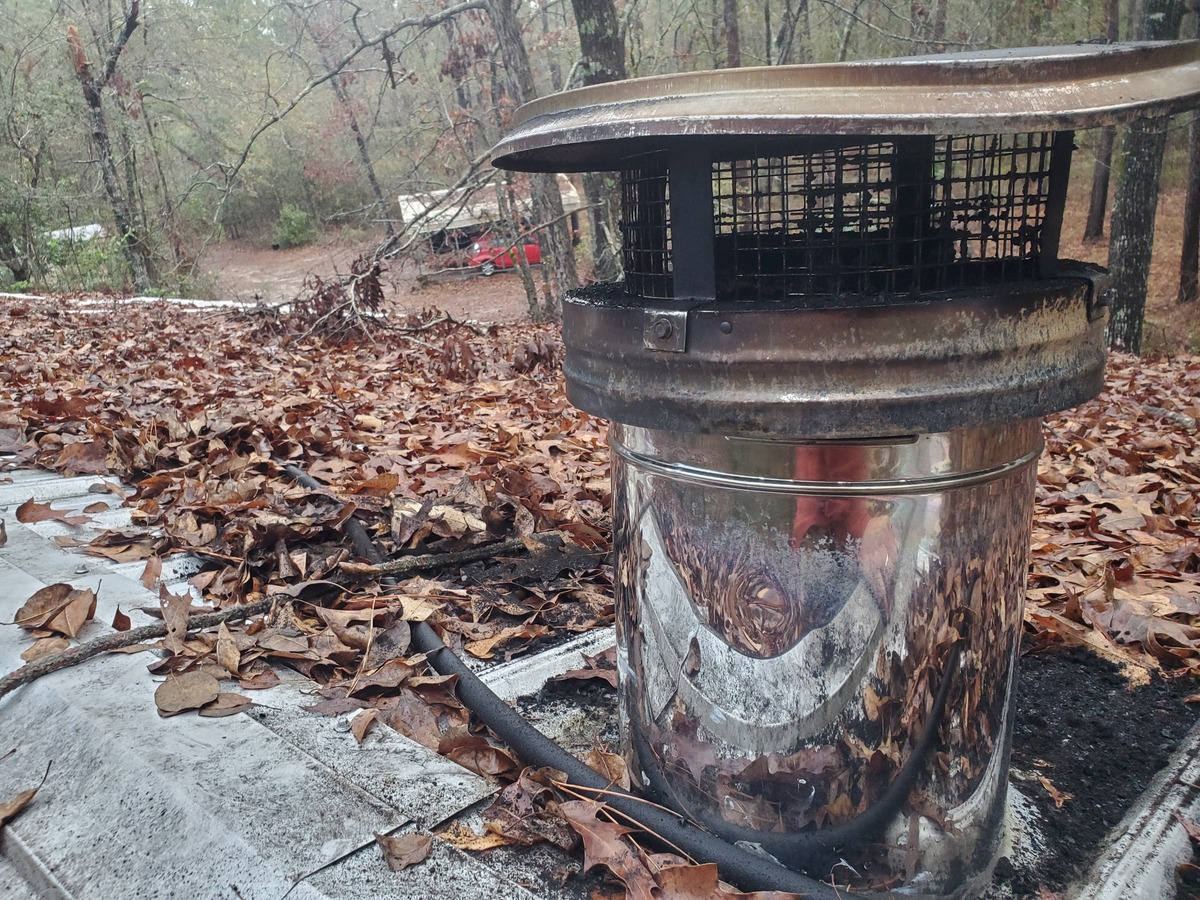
point(842, 317)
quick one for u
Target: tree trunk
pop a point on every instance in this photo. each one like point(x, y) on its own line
point(786, 49)
point(11, 256)
point(547, 197)
point(1136, 204)
point(939, 26)
point(322, 37)
point(506, 204)
point(1093, 231)
point(132, 242)
point(1098, 205)
point(733, 36)
point(847, 30)
point(602, 53)
point(1189, 257)
point(364, 155)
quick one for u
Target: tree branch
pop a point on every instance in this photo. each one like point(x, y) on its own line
point(335, 68)
point(131, 24)
point(434, 560)
point(73, 656)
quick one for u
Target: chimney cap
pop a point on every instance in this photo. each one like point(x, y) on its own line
point(986, 92)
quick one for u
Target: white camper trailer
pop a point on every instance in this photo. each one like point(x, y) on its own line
point(454, 220)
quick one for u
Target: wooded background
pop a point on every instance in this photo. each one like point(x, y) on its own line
point(179, 123)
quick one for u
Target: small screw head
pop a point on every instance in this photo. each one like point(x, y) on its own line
point(662, 329)
point(81, 569)
point(726, 327)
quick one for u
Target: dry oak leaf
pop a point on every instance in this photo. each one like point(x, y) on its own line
point(58, 607)
point(461, 836)
point(175, 610)
point(228, 654)
point(1192, 829)
point(1059, 797)
point(226, 704)
point(404, 850)
point(30, 512)
point(152, 573)
point(610, 765)
point(191, 690)
point(12, 807)
point(361, 722)
point(602, 845)
point(474, 752)
point(45, 647)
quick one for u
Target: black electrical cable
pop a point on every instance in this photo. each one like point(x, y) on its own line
point(747, 870)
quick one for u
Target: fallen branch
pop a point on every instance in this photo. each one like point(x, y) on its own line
point(73, 656)
point(433, 560)
point(1183, 420)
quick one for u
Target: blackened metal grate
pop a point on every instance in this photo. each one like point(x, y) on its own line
point(894, 216)
point(646, 226)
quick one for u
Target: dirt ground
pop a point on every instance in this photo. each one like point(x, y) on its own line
point(255, 274)
point(244, 272)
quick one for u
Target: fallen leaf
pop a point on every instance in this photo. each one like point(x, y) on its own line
point(1192, 828)
point(519, 813)
point(121, 621)
point(12, 807)
point(602, 845)
point(1059, 797)
point(369, 423)
point(610, 765)
point(58, 607)
point(227, 652)
point(191, 690)
point(361, 724)
point(152, 573)
point(486, 649)
point(175, 610)
point(3, 534)
point(685, 882)
point(31, 511)
point(475, 753)
point(45, 647)
point(259, 679)
point(461, 836)
point(402, 851)
point(226, 705)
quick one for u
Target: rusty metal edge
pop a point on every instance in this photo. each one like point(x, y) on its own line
point(1051, 88)
point(984, 357)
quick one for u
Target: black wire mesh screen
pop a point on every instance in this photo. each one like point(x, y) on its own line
point(646, 226)
point(901, 215)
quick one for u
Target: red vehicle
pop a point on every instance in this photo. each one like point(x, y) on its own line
point(491, 254)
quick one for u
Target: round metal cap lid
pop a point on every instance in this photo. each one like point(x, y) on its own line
point(990, 92)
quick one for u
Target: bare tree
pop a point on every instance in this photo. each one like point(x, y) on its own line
point(1132, 237)
point(547, 196)
point(602, 59)
point(733, 35)
point(1189, 257)
point(132, 240)
point(1098, 205)
point(324, 36)
point(795, 18)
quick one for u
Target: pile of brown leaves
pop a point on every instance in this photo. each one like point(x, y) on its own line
point(443, 438)
point(1116, 538)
